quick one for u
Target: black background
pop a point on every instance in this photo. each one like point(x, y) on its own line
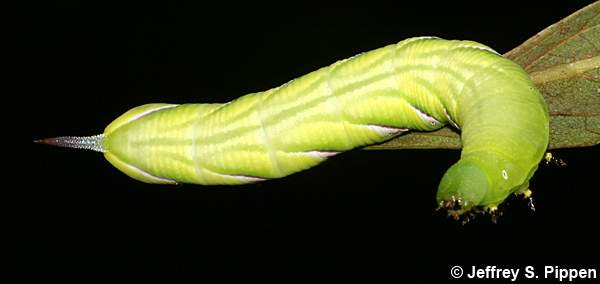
point(363, 214)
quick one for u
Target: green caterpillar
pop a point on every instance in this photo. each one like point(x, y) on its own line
point(417, 84)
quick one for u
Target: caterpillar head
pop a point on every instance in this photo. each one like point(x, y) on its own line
point(463, 187)
point(479, 185)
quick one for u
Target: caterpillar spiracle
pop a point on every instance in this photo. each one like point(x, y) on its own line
point(418, 84)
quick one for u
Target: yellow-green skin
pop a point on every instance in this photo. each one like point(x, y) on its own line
point(419, 84)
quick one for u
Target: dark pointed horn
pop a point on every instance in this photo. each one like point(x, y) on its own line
point(93, 143)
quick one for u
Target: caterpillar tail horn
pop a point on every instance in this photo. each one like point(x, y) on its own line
point(93, 143)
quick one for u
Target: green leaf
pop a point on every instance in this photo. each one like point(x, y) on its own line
point(563, 61)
